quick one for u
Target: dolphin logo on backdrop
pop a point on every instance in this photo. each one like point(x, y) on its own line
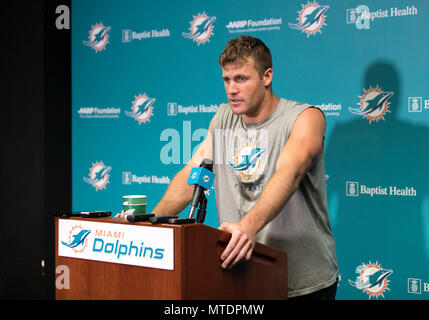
point(98, 175)
point(142, 108)
point(373, 104)
point(372, 279)
point(98, 37)
point(248, 162)
point(201, 28)
point(77, 239)
point(311, 18)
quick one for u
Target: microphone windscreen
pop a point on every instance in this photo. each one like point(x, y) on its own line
point(202, 177)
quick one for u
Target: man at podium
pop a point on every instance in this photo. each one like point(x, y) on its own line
point(270, 177)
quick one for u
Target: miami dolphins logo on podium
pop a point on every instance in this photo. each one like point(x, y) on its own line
point(98, 175)
point(77, 239)
point(373, 104)
point(98, 37)
point(247, 162)
point(311, 18)
point(142, 108)
point(372, 279)
point(201, 28)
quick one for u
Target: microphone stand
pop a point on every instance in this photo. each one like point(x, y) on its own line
point(190, 218)
point(193, 209)
point(201, 215)
point(202, 203)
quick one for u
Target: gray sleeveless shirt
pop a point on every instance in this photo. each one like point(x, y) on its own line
point(245, 159)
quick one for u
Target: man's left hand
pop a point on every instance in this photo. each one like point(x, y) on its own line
point(240, 245)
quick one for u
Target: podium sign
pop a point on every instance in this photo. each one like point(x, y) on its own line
point(118, 243)
point(110, 258)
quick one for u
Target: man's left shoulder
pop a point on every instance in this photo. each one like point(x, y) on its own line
point(314, 111)
point(293, 104)
point(311, 119)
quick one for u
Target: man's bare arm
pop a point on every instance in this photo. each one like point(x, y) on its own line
point(177, 196)
point(179, 193)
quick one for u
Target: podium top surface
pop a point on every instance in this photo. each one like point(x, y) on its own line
point(137, 223)
point(223, 236)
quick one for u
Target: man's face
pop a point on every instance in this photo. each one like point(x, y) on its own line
point(244, 87)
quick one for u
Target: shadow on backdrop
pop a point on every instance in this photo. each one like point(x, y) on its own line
point(387, 228)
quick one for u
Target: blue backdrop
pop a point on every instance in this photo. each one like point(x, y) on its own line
point(146, 83)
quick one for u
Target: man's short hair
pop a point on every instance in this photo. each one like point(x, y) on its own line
point(238, 50)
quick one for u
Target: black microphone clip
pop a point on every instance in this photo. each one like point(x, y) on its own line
point(201, 214)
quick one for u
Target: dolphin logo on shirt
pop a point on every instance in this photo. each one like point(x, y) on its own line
point(248, 161)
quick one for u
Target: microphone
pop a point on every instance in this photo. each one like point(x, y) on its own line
point(139, 217)
point(202, 178)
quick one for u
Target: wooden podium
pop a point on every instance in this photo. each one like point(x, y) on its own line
point(197, 270)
